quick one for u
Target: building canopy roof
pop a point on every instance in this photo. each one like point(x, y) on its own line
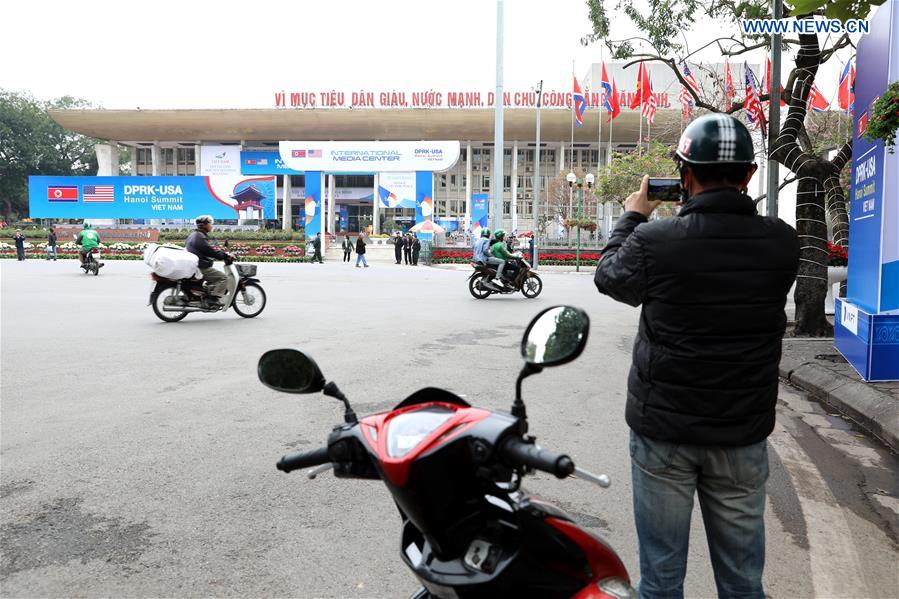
point(272, 125)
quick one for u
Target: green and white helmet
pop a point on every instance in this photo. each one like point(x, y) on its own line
point(485, 232)
point(499, 234)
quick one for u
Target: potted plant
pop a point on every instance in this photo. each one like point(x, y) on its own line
point(884, 120)
point(837, 272)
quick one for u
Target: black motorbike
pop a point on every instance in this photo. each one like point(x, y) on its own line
point(517, 276)
point(172, 300)
point(455, 472)
point(91, 262)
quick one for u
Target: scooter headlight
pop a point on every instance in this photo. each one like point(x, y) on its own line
point(406, 431)
point(617, 588)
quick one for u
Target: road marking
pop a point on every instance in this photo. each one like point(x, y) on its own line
point(835, 565)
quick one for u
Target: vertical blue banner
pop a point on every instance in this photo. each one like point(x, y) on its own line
point(479, 205)
point(344, 217)
point(424, 196)
point(873, 282)
point(313, 204)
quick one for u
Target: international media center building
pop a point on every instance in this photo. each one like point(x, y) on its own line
point(173, 142)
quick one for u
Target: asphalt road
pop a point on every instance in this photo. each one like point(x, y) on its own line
point(138, 456)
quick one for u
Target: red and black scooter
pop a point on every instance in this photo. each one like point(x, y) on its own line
point(454, 471)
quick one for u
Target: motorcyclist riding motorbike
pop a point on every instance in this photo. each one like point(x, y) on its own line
point(482, 252)
point(88, 239)
point(501, 252)
point(198, 244)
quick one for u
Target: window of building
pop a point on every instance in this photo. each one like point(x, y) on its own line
point(507, 183)
point(485, 184)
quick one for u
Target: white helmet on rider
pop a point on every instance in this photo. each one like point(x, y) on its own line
point(205, 219)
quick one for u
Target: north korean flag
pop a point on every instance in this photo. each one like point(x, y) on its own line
point(62, 193)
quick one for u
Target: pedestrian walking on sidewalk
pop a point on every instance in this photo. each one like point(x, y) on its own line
point(398, 247)
point(360, 251)
point(702, 389)
point(19, 240)
point(347, 247)
point(51, 245)
point(317, 248)
point(416, 249)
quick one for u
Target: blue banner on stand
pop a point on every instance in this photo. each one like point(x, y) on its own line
point(313, 204)
point(424, 199)
point(478, 214)
point(866, 328)
point(873, 278)
point(344, 217)
point(222, 197)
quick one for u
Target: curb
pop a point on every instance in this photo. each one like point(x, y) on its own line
point(872, 410)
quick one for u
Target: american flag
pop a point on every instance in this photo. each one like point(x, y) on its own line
point(686, 99)
point(753, 106)
point(314, 153)
point(649, 106)
point(97, 193)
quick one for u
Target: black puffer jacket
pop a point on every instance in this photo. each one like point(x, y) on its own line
point(198, 243)
point(713, 283)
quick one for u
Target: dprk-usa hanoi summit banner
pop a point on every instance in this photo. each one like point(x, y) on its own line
point(223, 197)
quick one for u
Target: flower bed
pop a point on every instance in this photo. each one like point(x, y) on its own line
point(546, 258)
point(125, 251)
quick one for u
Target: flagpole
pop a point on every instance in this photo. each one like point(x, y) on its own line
point(571, 146)
point(640, 138)
point(609, 152)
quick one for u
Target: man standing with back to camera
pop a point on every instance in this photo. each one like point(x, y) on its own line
point(702, 387)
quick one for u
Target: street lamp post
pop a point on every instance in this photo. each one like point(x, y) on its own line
point(572, 179)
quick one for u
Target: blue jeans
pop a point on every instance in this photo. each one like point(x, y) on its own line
point(51, 249)
point(730, 482)
point(361, 258)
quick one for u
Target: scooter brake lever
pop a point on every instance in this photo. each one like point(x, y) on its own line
point(602, 480)
point(318, 470)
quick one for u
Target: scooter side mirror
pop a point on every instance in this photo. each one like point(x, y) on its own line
point(290, 371)
point(555, 336)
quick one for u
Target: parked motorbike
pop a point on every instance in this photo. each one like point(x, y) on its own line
point(454, 471)
point(172, 299)
point(517, 276)
point(92, 262)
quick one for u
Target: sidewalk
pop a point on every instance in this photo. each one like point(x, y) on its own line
point(816, 367)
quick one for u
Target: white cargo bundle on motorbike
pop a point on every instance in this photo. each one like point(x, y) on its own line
point(172, 262)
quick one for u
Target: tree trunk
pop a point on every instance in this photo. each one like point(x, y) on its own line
point(811, 280)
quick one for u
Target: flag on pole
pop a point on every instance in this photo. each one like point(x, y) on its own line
point(753, 106)
point(846, 94)
point(578, 104)
point(643, 91)
point(728, 87)
point(766, 83)
point(686, 99)
point(611, 102)
point(649, 107)
point(816, 100)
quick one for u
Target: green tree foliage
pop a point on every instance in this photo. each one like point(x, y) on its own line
point(565, 338)
point(836, 9)
point(622, 177)
point(31, 143)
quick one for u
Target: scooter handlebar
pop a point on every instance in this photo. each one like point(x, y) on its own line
point(516, 452)
point(303, 459)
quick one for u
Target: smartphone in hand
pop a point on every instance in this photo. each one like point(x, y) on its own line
point(663, 189)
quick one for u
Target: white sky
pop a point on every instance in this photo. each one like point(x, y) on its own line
point(205, 54)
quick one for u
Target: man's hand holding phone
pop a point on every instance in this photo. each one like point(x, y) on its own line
point(639, 200)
